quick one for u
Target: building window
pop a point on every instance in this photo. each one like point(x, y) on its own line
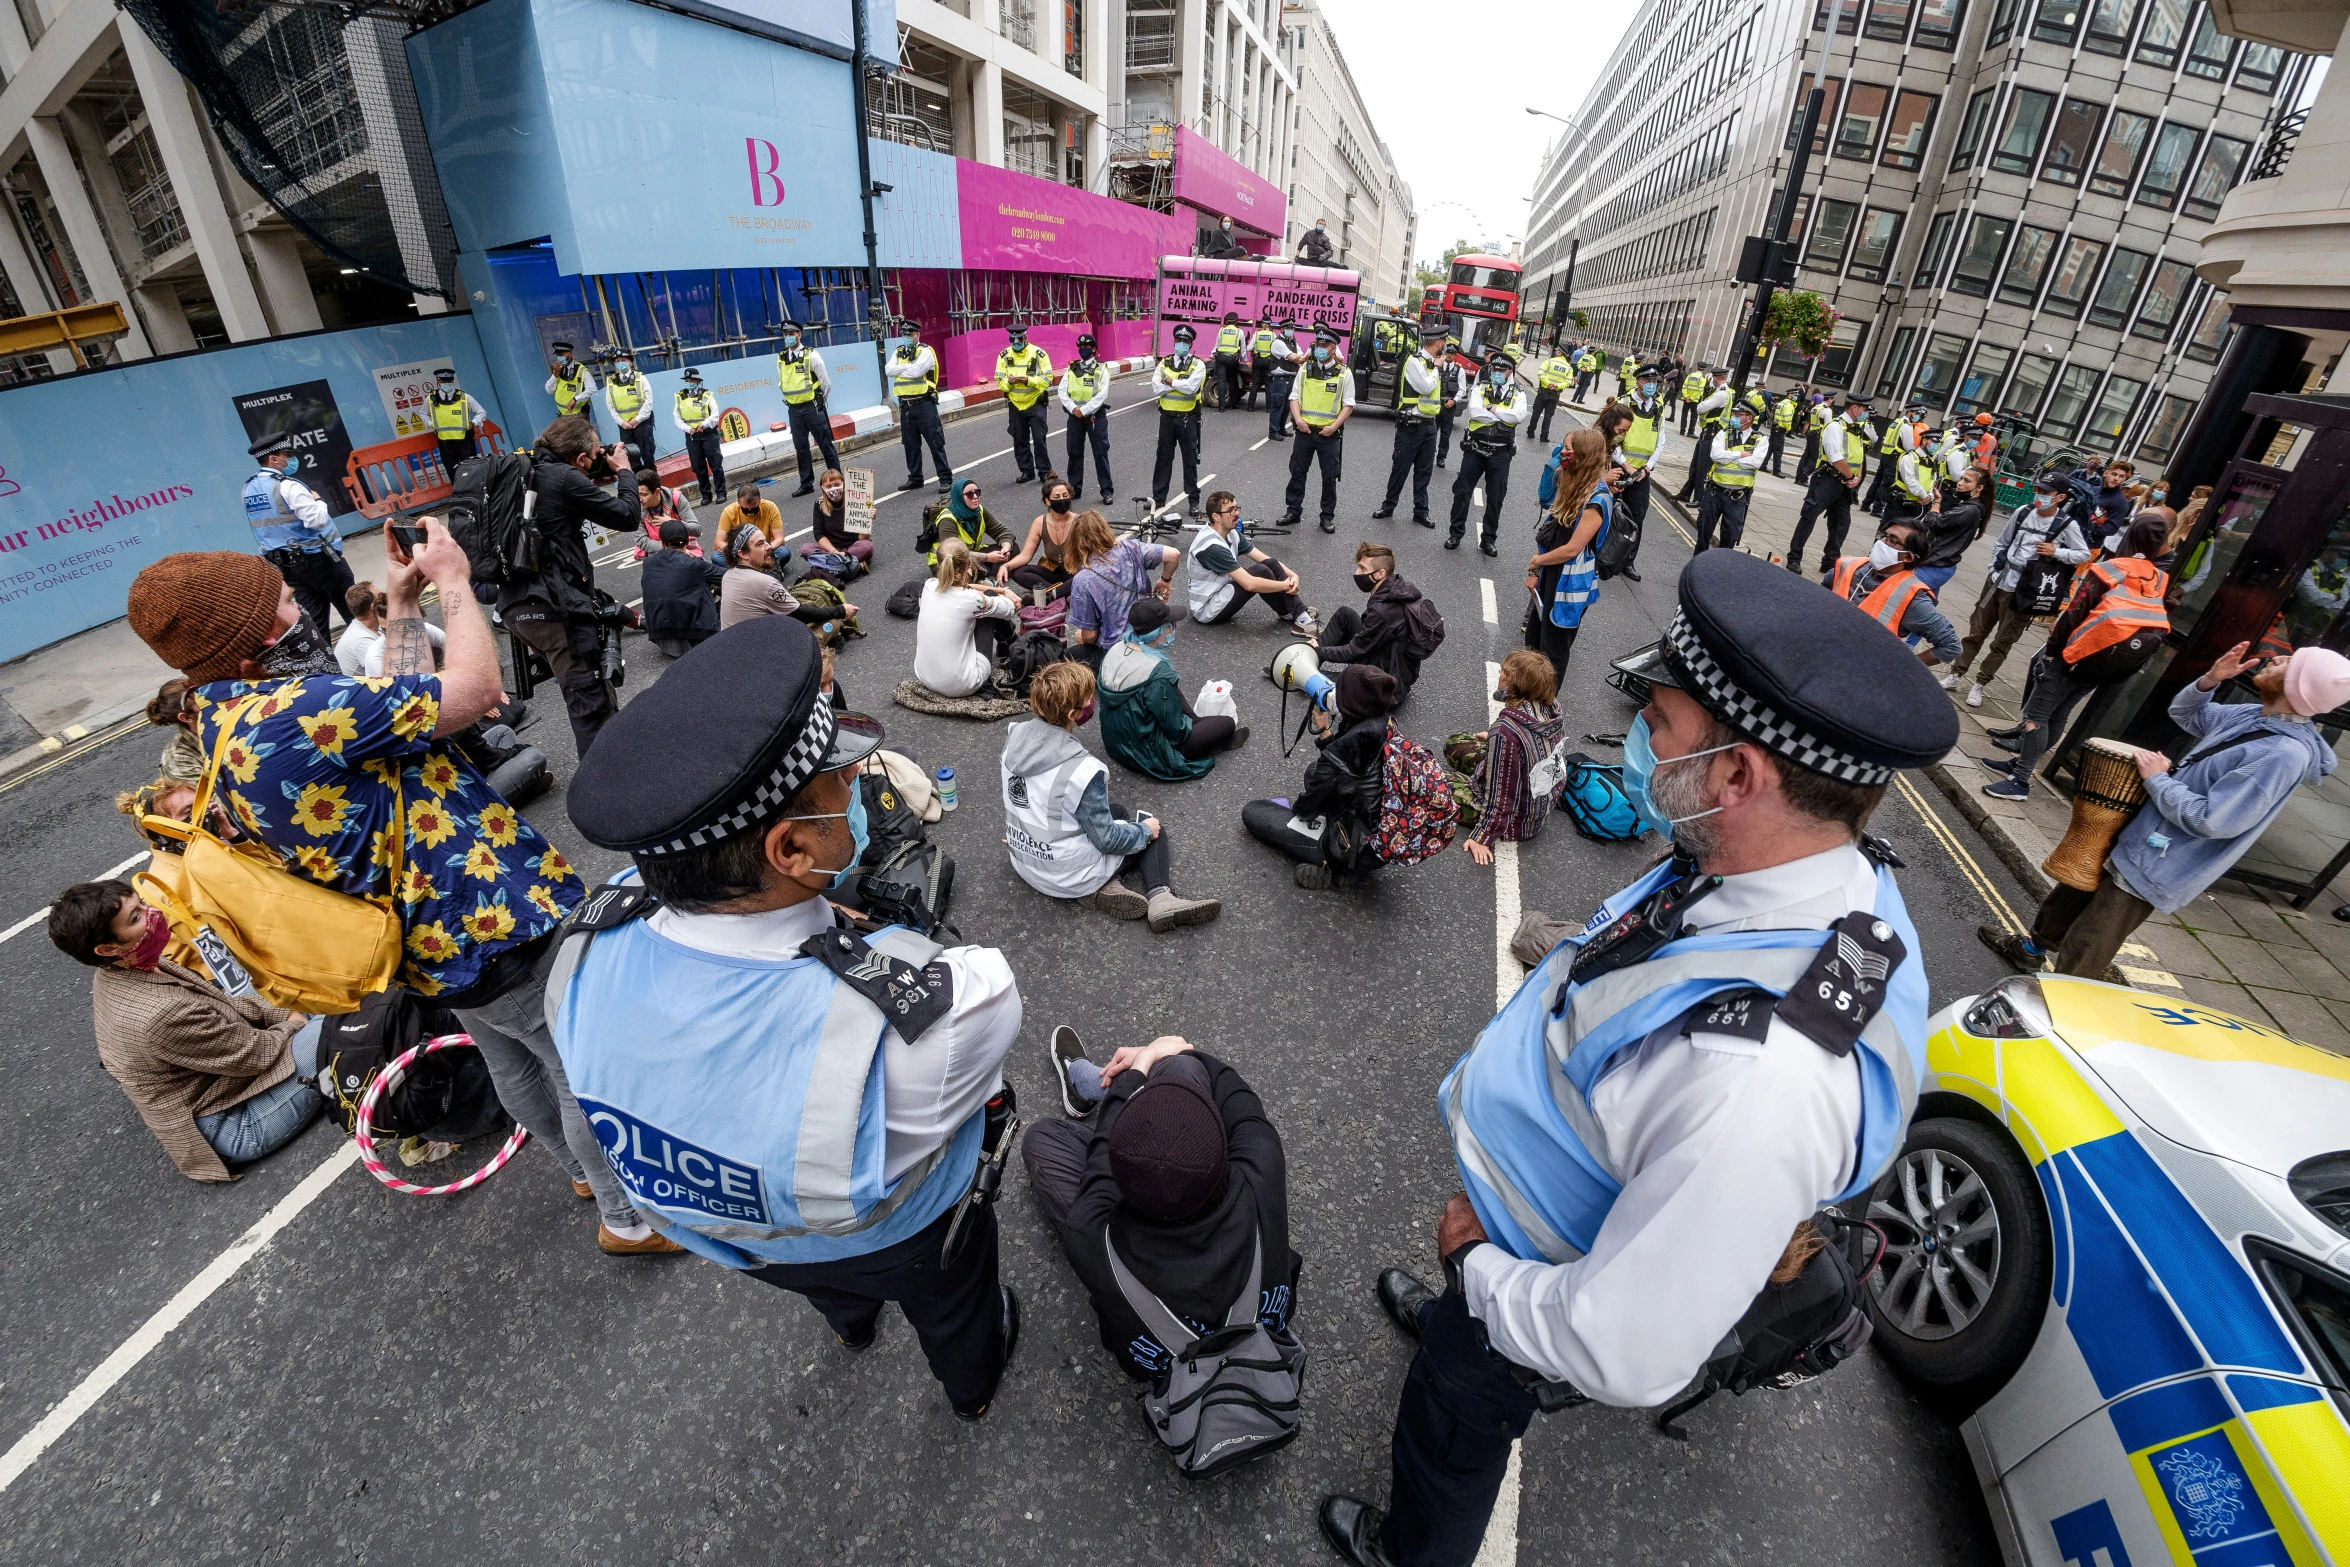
point(2166, 166)
point(2166, 29)
point(2263, 65)
point(2223, 160)
point(1970, 130)
point(1819, 140)
point(2117, 160)
point(1889, 378)
point(1847, 16)
point(2027, 122)
point(1889, 20)
point(1978, 260)
point(2066, 403)
point(2028, 386)
point(2110, 22)
point(2002, 23)
point(2027, 268)
point(1937, 246)
point(1906, 132)
point(2212, 52)
point(1825, 252)
point(1880, 231)
point(2212, 331)
point(1938, 24)
point(1982, 380)
point(2119, 291)
point(2071, 141)
point(2057, 21)
point(2163, 434)
point(2075, 271)
point(1845, 342)
point(1937, 375)
point(1864, 116)
point(2115, 404)
point(2164, 295)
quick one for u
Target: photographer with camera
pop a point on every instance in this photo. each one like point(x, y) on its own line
point(557, 611)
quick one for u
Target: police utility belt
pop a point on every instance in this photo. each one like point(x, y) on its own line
point(283, 555)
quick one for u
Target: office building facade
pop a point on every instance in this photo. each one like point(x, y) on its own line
point(1339, 168)
point(2004, 204)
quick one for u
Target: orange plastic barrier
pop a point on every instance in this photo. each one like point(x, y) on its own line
point(402, 475)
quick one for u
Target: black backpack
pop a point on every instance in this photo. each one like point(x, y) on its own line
point(1798, 1330)
point(905, 600)
point(2122, 660)
point(443, 1097)
point(1619, 542)
point(1423, 627)
point(1031, 651)
point(489, 515)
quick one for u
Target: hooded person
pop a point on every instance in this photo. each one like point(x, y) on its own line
point(1381, 632)
point(1147, 722)
point(1067, 838)
point(1343, 777)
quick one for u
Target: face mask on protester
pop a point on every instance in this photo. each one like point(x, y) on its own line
point(1365, 581)
point(1884, 555)
point(832, 492)
point(1640, 765)
point(1059, 504)
point(855, 816)
point(302, 650)
point(154, 936)
point(1083, 716)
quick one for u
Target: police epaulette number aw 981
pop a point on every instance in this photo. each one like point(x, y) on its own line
point(910, 998)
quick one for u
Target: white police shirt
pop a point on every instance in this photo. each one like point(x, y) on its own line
point(1726, 1146)
point(929, 1087)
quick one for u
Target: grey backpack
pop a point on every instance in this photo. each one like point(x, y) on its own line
point(1225, 1398)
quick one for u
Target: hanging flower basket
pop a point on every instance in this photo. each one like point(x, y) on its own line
point(1801, 321)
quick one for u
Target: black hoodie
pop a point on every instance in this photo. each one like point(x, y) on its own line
point(1380, 639)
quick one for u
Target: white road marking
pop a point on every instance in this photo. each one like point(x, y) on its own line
point(42, 913)
point(175, 1311)
point(1501, 1530)
point(1261, 440)
point(1485, 598)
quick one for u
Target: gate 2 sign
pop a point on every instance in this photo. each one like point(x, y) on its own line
point(308, 413)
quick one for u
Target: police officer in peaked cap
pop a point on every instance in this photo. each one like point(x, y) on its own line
point(1647, 1128)
point(777, 1093)
point(295, 532)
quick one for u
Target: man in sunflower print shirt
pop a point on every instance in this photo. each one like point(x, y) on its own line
point(344, 777)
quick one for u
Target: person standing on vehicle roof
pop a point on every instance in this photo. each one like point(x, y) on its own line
point(1739, 1037)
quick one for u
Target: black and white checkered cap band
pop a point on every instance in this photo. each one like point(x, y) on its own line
point(1758, 722)
point(800, 764)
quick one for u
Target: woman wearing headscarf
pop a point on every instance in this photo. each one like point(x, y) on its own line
point(968, 523)
point(1343, 779)
point(1147, 723)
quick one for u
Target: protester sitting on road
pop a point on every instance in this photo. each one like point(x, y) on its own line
point(1344, 777)
point(681, 592)
point(1227, 571)
point(965, 520)
point(1562, 575)
point(1068, 839)
point(1381, 632)
point(963, 626)
point(1526, 730)
point(750, 505)
point(329, 770)
point(1169, 1152)
point(829, 527)
point(1110, 577)
point(219, 1079)
point(750, 588)
point(360, 649)
point(2243, 762)
point(659, 504)
point(1147, 722)
point(1885, 585)
point(1043, 566)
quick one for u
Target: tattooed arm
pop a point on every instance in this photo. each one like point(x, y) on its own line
point(471, 682)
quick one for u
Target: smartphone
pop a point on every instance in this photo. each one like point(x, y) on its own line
point(410, 535)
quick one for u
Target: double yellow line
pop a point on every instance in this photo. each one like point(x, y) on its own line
point(1967, 864)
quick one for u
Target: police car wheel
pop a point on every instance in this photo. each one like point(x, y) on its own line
point(1958, 1298)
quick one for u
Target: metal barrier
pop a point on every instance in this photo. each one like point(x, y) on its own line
point(402, 475)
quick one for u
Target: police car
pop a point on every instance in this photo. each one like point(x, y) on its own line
point(2122, 1224)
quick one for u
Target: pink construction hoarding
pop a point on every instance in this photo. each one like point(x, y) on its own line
point(1017, 222)
point(1200, 290)
point(1216, 183)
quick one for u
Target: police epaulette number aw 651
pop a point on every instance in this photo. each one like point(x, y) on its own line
point(910, 998)
point(1837, 996)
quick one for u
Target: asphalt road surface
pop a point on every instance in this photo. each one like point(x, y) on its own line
point(409, 1380)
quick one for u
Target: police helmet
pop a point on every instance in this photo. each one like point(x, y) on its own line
point(693, 377)
point(1085, 343)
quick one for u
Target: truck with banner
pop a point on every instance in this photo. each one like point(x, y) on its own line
point(1201, 289)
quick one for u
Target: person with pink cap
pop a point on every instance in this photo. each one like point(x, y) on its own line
point(2201, 813)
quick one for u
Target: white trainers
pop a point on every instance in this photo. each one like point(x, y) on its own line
point(1306, 625)
point(1974, 696)
point(1950, 682)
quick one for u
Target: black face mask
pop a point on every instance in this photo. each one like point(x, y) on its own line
point(1365, 581)
point(303, 650)
point(1060, 505)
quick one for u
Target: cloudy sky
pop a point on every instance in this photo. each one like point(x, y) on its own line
point(1455, 116)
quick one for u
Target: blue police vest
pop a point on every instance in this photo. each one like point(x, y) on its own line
point(1531, 1154)
point(740, 1100)
point(274, 527)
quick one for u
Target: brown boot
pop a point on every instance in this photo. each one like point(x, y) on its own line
point(1118, 901)
point(1168, 911)
point(652, 1245)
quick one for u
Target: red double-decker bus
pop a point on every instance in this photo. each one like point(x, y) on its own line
point(1478, 303)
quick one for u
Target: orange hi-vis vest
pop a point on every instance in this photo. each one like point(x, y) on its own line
point(2132, 603)
point(1888, 601)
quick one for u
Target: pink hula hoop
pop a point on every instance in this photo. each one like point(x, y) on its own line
point(364, 1131)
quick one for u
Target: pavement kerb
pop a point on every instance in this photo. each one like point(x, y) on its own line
point(2020, 846)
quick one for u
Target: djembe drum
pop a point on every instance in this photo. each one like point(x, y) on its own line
point(2108, 795)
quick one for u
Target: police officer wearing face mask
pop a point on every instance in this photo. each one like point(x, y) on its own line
point(294, 531)
point(572, 385)
point(1729, 1043)
point(1024, 374)
point(1736, 456)
point(913, 381)
point(1496, 408)
point(1415, 426)
point(807, 394)
point(1320, 404)
point(630, 397)
point(1085, 398)
point(696, 413)
point(455, 418)
point(775, 1092)
point(1280, 376)
point(1178, 379)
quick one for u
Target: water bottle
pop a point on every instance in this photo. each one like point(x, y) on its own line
point(946, 788)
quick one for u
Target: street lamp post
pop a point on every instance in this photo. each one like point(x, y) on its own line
point(1563, 298)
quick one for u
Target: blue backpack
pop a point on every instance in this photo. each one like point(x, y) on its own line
point(1592, 795)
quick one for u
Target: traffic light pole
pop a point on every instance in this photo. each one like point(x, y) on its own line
point(1782, 220)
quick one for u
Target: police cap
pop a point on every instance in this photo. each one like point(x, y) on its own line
point(1431, 331)
point(1797, 670)
point(718, 745)
point(1085, 342)
point(694, 376)
point(444, 373)
point(269, 445)
point(1184, 333)
point(560, 347)
point(1019, 326)
point(1325, 333)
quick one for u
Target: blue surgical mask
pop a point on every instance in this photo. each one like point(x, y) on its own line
point(1164, 639)
point(1640, 762)
point(1321, 353)
point(855, 816)
point(292, 463)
